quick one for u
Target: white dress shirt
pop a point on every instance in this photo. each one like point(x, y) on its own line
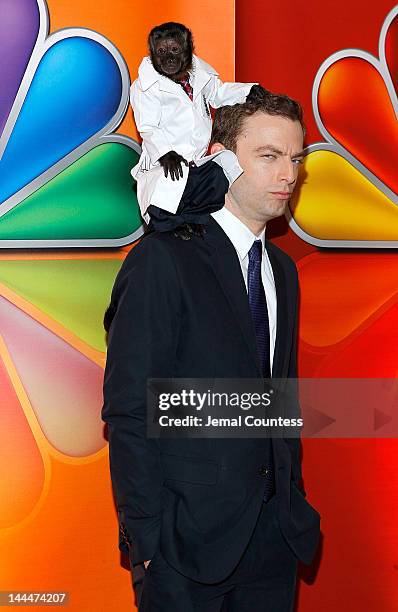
point(242, 238)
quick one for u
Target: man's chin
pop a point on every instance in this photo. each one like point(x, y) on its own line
point(278, 209)
point(280, 206)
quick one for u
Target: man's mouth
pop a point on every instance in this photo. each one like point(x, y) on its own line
point(282, 195)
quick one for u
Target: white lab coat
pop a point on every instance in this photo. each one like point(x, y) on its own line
point(168, 120)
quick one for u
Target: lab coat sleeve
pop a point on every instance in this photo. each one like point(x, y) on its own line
point(225, 94)
point(147, 114)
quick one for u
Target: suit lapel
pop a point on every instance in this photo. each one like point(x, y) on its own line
point(282, 350)
point(226, 266)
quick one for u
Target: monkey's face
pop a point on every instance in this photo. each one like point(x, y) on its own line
point(172, 57)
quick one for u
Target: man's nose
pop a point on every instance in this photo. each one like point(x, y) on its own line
point(287, 171)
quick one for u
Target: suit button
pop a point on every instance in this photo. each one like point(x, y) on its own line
point(263, 471)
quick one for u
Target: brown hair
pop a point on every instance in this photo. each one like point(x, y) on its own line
point(228, 120)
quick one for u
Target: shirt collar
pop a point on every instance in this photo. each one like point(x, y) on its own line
point(239, 234)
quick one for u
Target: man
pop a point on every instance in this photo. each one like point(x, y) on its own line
point(218, 524)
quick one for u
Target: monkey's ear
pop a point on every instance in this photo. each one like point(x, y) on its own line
point(153, 37)
point(151, 45)
point(188, 40)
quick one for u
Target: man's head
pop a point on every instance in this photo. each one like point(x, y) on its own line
point(266, 133)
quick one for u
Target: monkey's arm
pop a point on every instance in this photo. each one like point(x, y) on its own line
point(147, 114)
point(223, 94)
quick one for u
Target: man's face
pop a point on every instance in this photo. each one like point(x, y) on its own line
point(270, 150)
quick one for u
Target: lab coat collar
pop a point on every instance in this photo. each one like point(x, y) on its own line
point(148, 76)
point(202, 72)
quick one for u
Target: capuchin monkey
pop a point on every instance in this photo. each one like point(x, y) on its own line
point(171, 100)
point(171, 48)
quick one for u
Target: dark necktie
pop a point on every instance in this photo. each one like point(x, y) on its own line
point(258, 306)
point(187, 87)
point(259, 311)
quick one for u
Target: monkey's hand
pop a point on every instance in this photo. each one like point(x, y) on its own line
point(255, 91)
point(171, 163)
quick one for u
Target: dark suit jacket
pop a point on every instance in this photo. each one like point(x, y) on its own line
point(182, 311)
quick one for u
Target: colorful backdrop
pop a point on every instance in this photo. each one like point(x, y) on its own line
point(340, 59)
point(68, 215)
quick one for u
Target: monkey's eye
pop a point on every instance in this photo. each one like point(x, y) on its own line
point(176, 50)
point(161, 51)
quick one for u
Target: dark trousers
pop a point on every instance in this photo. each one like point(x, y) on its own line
point(263, 580)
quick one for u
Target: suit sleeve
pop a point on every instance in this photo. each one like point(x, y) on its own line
point(294, 407)
point(147, 115)
point(141, 344)
point(223, 94)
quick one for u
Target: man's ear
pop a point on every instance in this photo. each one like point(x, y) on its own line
point(216, 147)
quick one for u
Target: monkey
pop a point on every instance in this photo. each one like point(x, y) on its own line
point(171, 49)
point(172, 100)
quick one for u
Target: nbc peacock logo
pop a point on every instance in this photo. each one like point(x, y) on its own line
point(347, 194)
point(64, 174)
point(64, 182)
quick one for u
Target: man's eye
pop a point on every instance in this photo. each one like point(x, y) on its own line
point(269, 156)
point(297, 161)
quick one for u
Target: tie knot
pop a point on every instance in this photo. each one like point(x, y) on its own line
point(256, 252)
